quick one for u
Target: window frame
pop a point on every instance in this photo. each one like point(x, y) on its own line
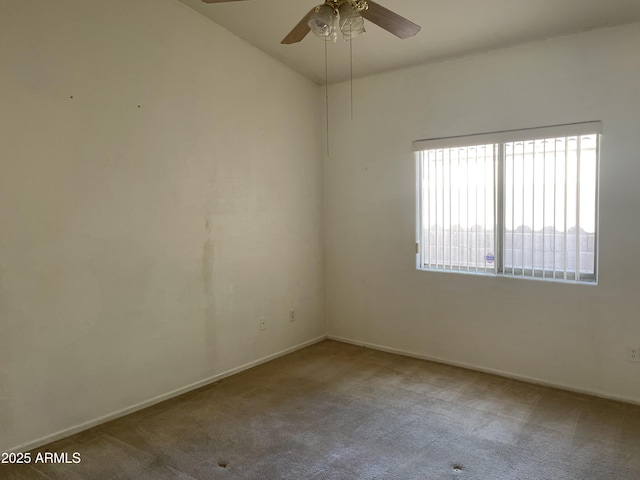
point(500, 139)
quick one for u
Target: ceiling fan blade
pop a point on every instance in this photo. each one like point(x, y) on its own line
point(300, 30)
point(391, 22)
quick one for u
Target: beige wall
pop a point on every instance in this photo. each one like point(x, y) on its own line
point(160, 190)
point(568, 335)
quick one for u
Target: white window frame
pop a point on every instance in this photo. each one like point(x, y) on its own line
point(500, 139)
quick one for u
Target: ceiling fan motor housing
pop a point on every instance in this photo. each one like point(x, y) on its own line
point(357, 5)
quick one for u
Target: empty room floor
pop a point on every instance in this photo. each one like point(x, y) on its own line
point(337, 411)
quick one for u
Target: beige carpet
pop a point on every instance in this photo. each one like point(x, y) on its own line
point(335, 411)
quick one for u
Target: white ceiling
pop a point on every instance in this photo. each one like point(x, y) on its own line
point(450, 28)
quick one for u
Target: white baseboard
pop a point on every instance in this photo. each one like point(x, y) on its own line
point(501, 373)
point(160, 398)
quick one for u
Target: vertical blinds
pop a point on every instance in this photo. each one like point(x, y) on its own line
point(550, 207)
point(520, 203)
point(459, 207)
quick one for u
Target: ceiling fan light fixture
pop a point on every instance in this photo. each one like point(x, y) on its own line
point(324, 22)
point(351, 22)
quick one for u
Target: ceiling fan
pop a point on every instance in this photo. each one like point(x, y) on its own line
point(326, 19)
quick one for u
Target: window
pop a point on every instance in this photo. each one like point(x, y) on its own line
point(521, 203)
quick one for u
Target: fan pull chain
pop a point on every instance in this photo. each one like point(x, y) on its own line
point(351, 72)
point(326, 90)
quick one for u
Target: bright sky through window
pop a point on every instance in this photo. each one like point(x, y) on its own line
point(522, 207)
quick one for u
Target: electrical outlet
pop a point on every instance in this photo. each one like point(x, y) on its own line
point(634, 354)
point(292, 315)
point(263, 323)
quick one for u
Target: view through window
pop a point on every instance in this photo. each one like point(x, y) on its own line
point(518, 203)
